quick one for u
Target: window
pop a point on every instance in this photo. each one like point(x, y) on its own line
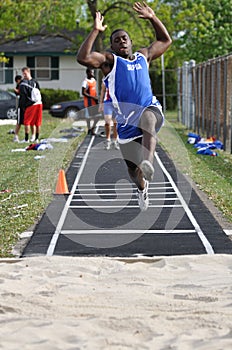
point(44, 67)
point(6, 71)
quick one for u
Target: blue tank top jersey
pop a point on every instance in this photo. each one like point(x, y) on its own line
point(130, 90)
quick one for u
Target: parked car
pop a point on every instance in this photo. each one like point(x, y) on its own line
point(7, 105)
point(67, 109)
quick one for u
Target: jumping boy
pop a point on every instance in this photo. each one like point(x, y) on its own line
point(138, 113)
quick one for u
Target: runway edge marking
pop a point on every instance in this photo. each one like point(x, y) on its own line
point(59, 226)
point(204, 240)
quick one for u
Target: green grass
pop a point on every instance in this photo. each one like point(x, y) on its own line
point(31, 183)
point(213, 175)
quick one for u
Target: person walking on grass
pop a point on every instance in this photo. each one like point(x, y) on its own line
point(30, 104)
point(138, 113)
point(19, 121)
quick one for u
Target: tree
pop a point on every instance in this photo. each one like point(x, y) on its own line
point(120, 14)
point(202, 29)
point(218, 36)
point(20, 19)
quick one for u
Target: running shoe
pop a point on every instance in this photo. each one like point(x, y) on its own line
point(16, 138)
point(143, 199)
point(115, 145)
point(107, 145)
point(147, 169)
point(32, 138)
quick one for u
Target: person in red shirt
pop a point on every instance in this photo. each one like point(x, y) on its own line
point(89, 92)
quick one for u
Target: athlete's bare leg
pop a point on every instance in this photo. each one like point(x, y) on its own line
point(148, 124)
point(137, 177)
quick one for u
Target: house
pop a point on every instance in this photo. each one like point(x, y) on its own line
point(52, 61)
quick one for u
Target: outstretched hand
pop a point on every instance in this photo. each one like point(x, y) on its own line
point(143, 10)
point(98, 23)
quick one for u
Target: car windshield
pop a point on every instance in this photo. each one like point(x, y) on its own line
point(6, 95)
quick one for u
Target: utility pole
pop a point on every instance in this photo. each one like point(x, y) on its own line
point(163, 83)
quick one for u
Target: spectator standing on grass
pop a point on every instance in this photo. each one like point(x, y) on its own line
point(89, 92)
point(30, 104)
point(106, 107)
point(138, 113)
point(19, 121)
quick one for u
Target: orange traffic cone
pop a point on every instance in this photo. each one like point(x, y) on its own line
point(61, 186)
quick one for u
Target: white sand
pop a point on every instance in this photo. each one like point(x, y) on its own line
point(166, 303)
point(102, 303)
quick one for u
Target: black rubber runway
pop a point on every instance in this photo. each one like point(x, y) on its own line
point(101, 216)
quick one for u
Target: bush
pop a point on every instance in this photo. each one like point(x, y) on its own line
point(52, 96)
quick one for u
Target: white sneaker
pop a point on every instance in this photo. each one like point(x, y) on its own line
point(24, 141)
point(32, 138)
point(147, 169)
point(107, 145)
point(16, 138)
point(115, 144)
point(143, 199)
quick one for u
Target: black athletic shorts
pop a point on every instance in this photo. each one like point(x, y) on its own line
point(20, 116)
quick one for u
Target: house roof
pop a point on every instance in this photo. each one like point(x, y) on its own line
point(47, 45)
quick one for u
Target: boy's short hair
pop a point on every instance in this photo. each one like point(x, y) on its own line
point(18, 77)
point(89, 70)
point(117, 30)
point(26, 68)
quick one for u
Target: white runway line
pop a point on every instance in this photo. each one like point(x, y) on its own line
point(84, 194)
point(124, 232)
point(124, 200)
point(205, 242)
point(120, 206)
point(90, 187)
point(118, 189)
point(55, 237)
point(122, 184)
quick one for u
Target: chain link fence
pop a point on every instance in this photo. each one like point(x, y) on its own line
point(205, 98)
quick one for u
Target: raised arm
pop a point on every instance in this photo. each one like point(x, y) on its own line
point(101, 99)
point(85, 55)
point(163, 40)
